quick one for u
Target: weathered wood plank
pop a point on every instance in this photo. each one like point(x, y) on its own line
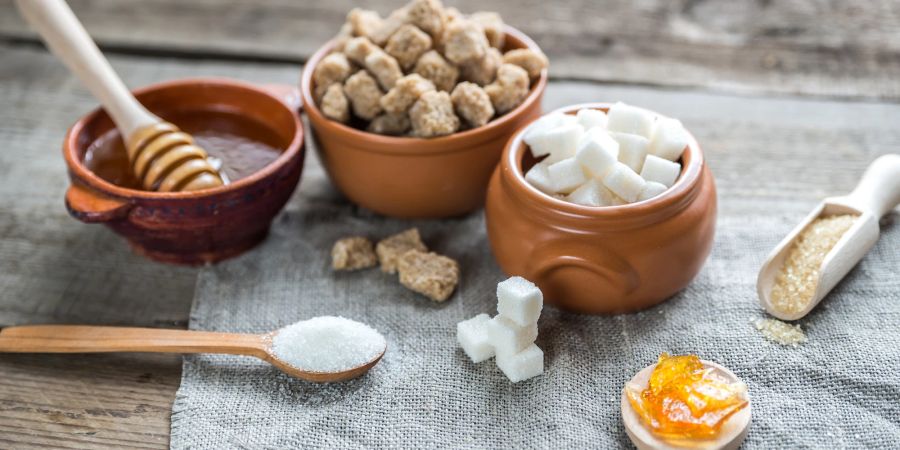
point(826, 47)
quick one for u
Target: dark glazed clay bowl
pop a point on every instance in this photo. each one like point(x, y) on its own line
point(601, 259)
point(411, 177)
point(202, 226)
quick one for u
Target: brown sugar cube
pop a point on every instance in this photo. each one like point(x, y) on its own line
point(335, 105)
point(434, 67)
point(364, 95)
point(533, 62)
point(407, 45)
point(391, 248)
point(334, 68)
point(451, 14)
point(432, 275)
point(432, 115)
point(510, 88)
point(492, 25)
point(344, 35)
point(405, 92)
point(385, 68)
point(472, 104)
point(390, 25)
point(389, 124)
point(352, 253)
point(482, 71)
point(358, 48)
point(464, 41)
point(428, 15)
point(364, 22)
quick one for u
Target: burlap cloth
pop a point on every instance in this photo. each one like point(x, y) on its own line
point(839, 390)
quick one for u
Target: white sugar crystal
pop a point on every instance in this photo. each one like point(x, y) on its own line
point(590, 118)
point(473, 338)
point(597, 152)
point(624, 182)
point(651, 189)
point(523, 365)
point(566, 175)
point(669, 139)
point(660, 170)
point(592, 193)
point(509, 337)
point(632, 149)
point(519, 300)
point(327, 344)
point(539, 177)
point(628, 119)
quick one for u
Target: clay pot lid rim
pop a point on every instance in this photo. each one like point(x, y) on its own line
point(672, 196)
point(401, 145)
point(83, 174)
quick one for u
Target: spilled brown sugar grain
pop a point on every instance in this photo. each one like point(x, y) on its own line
point(780, 332)
point(796, 282)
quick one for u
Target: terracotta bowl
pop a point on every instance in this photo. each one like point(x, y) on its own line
point(601, 259)
point(192, 227)
point(411, 177)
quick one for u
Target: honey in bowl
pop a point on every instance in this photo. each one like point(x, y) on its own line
point(685, 401)
point(244, 146)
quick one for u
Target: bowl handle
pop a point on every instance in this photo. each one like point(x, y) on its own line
point(88, 206)
point(595, 258)
point(287, 93)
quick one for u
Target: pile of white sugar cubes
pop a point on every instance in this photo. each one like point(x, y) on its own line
point(510, 335)
point(599, 159)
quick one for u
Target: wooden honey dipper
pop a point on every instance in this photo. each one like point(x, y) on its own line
point(163, 157)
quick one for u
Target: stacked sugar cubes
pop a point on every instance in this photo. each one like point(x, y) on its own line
point(510, 335)
point(598, 159)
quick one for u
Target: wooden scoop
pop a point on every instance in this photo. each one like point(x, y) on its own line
point(877, 193)
point(162, 157)
point(96, 339)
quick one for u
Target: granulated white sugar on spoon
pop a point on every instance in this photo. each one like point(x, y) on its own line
point(328, 344)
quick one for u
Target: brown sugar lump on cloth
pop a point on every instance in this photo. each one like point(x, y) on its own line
point(432, 275)
point(352, 253)
point(391, 248)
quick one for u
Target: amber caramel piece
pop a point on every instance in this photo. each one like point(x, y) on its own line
point(432, 275)
point(684, 400)
point(352, 253)
point(434, 67)
point(391, 248)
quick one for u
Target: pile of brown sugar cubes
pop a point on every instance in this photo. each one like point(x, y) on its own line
point(423, 71)
point(430, 274)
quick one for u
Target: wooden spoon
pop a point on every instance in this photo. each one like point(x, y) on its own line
point(877, 193)
point(164, 158)
point(99, 339)
point(731, 435)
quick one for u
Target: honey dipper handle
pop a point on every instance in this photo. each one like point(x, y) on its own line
point(100, 339)
point(878, 191)
point(68, 40)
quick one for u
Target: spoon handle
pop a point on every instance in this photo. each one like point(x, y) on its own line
point(100, 339)
point(878, 191)
point(68, 40)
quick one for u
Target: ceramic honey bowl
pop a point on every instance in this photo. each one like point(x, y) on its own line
point(412, 177)
point(601, 259)
point(259, 137)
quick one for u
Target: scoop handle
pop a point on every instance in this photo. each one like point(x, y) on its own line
point(878, 191)
point(68, 40)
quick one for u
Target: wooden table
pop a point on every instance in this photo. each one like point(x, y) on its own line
point(780, 56)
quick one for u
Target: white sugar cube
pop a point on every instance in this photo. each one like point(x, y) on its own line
point(590, 118)
point(669, 139)
point(523, 365)
point(624, 182)
point(566, 175)
point(632, 149)
point(558, 142)
point(539, 177)
point(519, 300)
point(592, 193)
point(509, 337)
point(628, 119)
point(472, 336)
point(597, 152)
point(651, 189)
point(660, 170)
point(547, 122)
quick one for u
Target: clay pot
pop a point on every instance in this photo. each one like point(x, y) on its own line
point(192, 227)
point(601, 259)
point(411, 177)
